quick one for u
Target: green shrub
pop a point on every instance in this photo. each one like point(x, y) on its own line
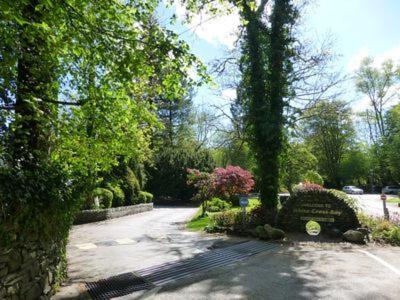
point(352, 202)
point(313, 177)
point(257, 216)
point(118, 194)
point(382, 230)
point(131, 187)
point(217, 205)
point(105, 197)
point(228, 218)
point(168, 175)
point(225, 219)
point(234, 200)
point(145, 197)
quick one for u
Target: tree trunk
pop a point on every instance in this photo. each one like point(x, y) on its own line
point(268, 89)
point(35, 87)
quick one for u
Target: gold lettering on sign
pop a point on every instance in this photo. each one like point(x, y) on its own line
point(319, 205)
point(317, 211)
point(318, 219)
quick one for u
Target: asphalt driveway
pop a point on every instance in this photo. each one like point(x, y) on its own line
point(298, 270)
point(372, 204)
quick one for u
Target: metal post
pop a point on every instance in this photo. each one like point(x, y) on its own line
point(385, 209)
point(244, 217)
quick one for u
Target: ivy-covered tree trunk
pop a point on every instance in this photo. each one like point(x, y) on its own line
point(36, 87)
point(32, 263)
point(278, 59)
point(268, 62)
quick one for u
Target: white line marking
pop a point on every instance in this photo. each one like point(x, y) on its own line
point(86, 246)
point(124, 241)
point(387, 265)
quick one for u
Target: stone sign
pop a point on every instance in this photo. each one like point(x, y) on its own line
point(322, 206)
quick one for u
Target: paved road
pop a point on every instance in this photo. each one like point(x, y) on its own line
point(298, 272)
point(301, 270)
point(103, 249)
point(372, 205)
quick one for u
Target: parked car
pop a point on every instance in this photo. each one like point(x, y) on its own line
point(351, 189)
point(391, 189)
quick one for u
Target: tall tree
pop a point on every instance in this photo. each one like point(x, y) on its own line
point(267, 51)
point(391, 144)
point(297, 160)
point(329, 131)
point(380, 86)
point(76, 83)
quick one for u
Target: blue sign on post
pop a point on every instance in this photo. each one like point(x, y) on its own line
point(243, 202)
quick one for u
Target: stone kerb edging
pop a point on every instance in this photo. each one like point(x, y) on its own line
point(95, 215)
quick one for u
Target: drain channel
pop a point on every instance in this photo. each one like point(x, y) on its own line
point(116, 286)
point(159, 275)
point(163, 274)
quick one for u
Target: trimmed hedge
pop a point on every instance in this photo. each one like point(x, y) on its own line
point(131, 187)
point(105, 197)
point(322, 206)
point(145, 197)
point(119, 196)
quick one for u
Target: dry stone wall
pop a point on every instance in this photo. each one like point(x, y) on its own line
point(30, 271)
point(95, 215)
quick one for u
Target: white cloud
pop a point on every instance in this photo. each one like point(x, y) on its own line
point(228, 94)
point(361, 105)
point(355, 61)
point(221, 29)
point(393, 54)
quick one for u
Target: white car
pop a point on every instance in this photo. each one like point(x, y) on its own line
point(351, 189)
point(391, 189)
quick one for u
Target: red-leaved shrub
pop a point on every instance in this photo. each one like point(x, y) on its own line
point(231, 181)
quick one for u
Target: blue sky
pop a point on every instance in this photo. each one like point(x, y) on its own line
point(358, 28)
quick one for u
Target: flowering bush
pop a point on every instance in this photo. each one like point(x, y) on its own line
point(232, 180)
point(224, 183)
point(203, 182)
point(307, 186)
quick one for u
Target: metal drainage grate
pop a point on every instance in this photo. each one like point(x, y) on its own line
point(116, 286)
point(159, 275)
point(169, 272)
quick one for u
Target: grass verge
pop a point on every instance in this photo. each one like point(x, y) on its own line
point(393, 200)
point(199, 223)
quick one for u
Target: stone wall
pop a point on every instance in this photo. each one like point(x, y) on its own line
point(30, 271)
point(88, 216)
